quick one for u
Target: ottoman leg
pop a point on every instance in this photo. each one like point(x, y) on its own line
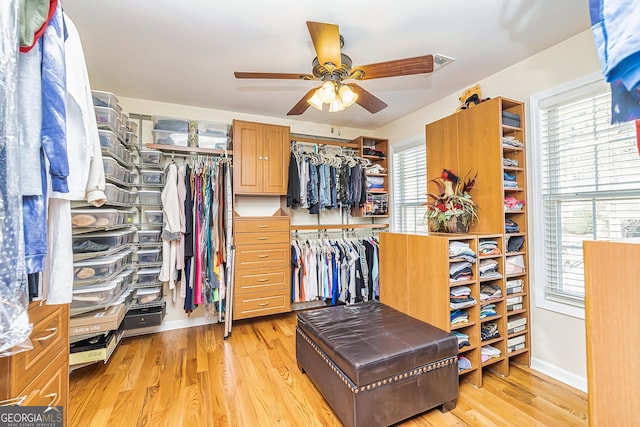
point(447, 406)
point(300, 367)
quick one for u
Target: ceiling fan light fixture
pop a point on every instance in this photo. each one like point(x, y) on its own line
point(315, 101)
point(347, 96)
point(336, 105)
point(327, 91)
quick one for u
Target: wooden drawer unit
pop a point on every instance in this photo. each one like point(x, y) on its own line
point(261, 304)
point(262, 266)
point(263, 255)
point(262, 237)
point(40, 376)
point(261, 279)
point(50, 388)
point(261, 224)
point(49, 337)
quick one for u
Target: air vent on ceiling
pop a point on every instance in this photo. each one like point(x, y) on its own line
point(440, 61)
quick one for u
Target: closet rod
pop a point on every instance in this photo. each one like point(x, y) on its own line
point(189, 150)
point(338, 226)
point(322, 141)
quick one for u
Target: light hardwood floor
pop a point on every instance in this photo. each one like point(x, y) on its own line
point(193, 377)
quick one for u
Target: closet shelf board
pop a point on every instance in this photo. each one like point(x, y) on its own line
point(493, 360)
point(188, 150)
point(517, 352)
point(338, 226)
point(321, 141)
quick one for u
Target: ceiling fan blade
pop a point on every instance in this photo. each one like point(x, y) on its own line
point(400, 67)
point(326, 42)
point(302, 105)
point(291, 76)
point(367, 100)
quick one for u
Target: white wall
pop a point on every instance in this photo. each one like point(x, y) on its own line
point(558, 341)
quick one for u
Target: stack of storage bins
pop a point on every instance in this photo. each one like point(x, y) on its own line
point(148, 306)
point(176, 131)
point(102, 239)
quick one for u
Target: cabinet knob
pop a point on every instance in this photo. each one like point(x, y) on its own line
point(260, 158)
point(266, 158)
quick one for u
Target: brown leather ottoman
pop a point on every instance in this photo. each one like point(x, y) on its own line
point(375, 365)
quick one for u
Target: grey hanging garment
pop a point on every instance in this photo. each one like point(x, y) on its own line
point(14, 321)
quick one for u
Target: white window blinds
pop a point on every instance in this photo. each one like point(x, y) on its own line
point(409, 189)
point(590, 174)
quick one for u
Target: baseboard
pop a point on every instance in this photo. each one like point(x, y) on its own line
point(569, 378)
point(172, 325)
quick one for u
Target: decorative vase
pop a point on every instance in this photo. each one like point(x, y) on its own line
point(458, 224)
point(433, 225)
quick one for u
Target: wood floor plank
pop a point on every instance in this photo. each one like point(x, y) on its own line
point(194, 377)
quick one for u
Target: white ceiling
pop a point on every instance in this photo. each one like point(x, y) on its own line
point(185, 52)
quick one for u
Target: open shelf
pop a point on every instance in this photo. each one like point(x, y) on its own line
point(188, 150)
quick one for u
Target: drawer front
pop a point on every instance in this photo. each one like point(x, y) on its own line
point(51, 387)
point(254, 256)
point(49, 336)
point(264, 237)
point(261, 279)
point(261, 304)
point(261, 224)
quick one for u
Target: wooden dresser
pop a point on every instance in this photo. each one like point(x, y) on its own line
point(262, 266)
point(40, 377)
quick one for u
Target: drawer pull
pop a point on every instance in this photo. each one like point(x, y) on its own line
point(263, 280)
point(17, 401)
point(53, 333)
point(54, 397)
point(263, 238)
point(263, 256)
point(264, 304)
point(263, 226)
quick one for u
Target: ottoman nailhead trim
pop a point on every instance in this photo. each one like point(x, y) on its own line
point(355, 389)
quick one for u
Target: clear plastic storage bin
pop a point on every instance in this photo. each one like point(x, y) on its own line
point(96, 268)
point(146, 256)
point(100, 294)
point(154, 177)
point(213, 128)
point(95, 217)
point(105, 99)
point(213, 142)
point(170, 138)
point(153, 217)
point(150, 197)
point(148, 236)
point(111, 239)
point(132, 139)
point(151, 157)
point(148, 295)
point(126, 277)
point(132, 126)
point(108, 118)
point(148, 275)
point(109, 140)
point(171, 124)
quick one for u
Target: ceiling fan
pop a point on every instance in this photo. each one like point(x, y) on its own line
point(332, 67)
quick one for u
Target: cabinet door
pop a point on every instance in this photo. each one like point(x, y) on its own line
point(275, 160)
point(247, 154)
point(442, 146)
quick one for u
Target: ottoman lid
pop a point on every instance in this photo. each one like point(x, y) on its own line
point(371, 341)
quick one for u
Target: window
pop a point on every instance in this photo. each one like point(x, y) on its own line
point(586, 184)
point(409, 188)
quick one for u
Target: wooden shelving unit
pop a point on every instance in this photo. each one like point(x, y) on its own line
point(377, 204)
point(471, 141)
point(414, 271)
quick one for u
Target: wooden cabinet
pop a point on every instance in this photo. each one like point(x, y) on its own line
point(261, 158)
point(611, 309)
point(262, 266)
point(40, 376)
point(415, 279)
point(376, 151)
point(480, 140)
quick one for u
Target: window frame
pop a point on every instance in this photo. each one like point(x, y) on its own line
point(535, 205)
point(395, 150)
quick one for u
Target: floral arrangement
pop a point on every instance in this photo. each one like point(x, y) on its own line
point(451, 209)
